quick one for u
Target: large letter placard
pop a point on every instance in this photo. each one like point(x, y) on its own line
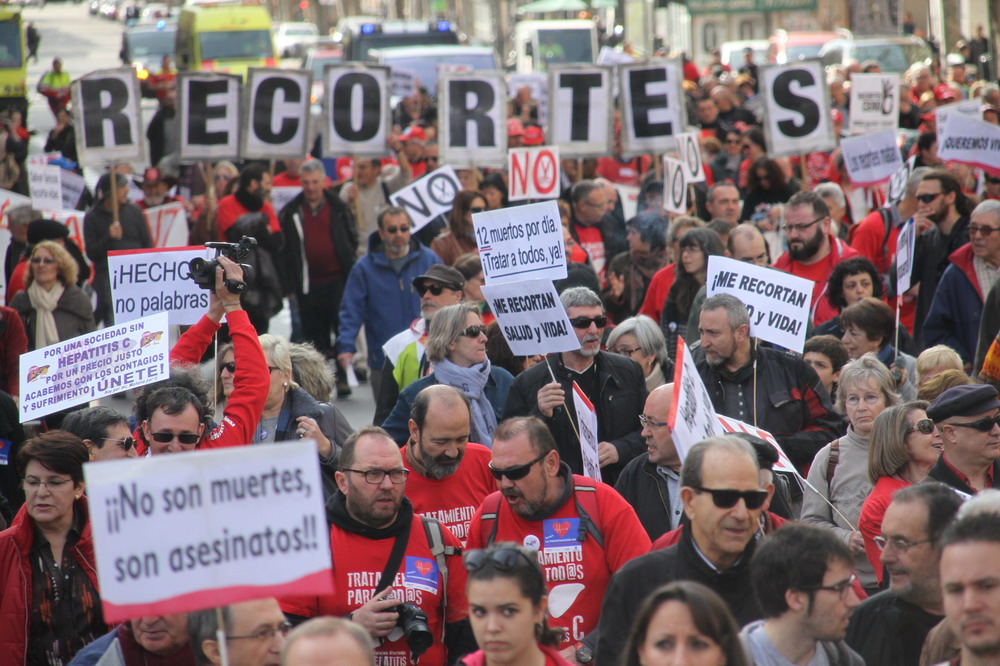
point(521, 243)
point(473, 122)
point(357, 117)
point(580, 117)
point(652, 104)
point(276, 110)
point(107, 117)
point(208, 104)
point(797, 101)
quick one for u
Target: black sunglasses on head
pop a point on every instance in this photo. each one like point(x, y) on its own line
point(727, 499)
point(982, 425)
point(503, 559)
point(473, 331)
point(585, 322)
point(517, 471)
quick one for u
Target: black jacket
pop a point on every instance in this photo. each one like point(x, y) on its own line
point(884, 629)
point(621, 399)
point(643, 575)
point(943, 473)
point(929, 263)
point(646, 490)
point(343, 232)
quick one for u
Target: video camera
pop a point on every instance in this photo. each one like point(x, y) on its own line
point(203, 270)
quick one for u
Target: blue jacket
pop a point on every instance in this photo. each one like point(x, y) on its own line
point(953, 318)
point(397, 425)
point(381, 299)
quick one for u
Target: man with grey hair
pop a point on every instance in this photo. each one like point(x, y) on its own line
point(255, 632)
point(327, 641)
point(723, 499)
point(599, 232)
point(614, 384)
point(955, 312)
point(723, 203)
point(18, 218)
point(774, 390)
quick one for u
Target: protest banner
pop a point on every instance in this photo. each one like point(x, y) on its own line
point(896, 189)
point(531, 317)
point(778, 302)
point(168, 224)
point(533, 173)
point(971, 141)
point(45, 187)
point(72, 186)
point(357, 119)
point(586, 419)
point(275, 110)
point(689, 152)
point(94, 365)
point(692, 417)
point(970, 108)
point(473, 127)
point(675, 187)
point(653, 106)
point(873, 103)
point(281, 195)
point(208, 106)
point(521, 242)
point(180, 533)
point(871, 158)
point(144, 282)
point(905, 249)
point(107, 117)
point(538, 84)
point(629, 196)
point(404, 82)
point(796, 104)
point(429, 196)
point(784, 463)
point(580, 118)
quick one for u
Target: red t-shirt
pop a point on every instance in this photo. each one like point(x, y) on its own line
point(576, 573)
point(623, 173)
point(819, 273)
point(357, 567)
point(591, 240)
point(454, 500)
point(872, 513)
point(656, 295)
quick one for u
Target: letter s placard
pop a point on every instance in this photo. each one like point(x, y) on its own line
point(797, 102)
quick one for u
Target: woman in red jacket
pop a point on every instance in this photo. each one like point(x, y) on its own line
point(50, 605)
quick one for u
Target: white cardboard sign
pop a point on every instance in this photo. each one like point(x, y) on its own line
point(357, 118)
point(282, 195)
point(275, 114)
point(473, 127)
point(778, 302)
point(896, 189)
point(107, 116)
point(586, 421)
point(521, 243)
point(208, 105)
point(970, 108)
point(871, 158)
point(675, 186)
point(531, 317)
point(797, 103)
point(689, 152)
point(168, 224)
point(428, 197)
point(144, 282)
point(72, 186)
point(179, 533)
point(874, 102)
point(784, 463)
point(653, 106)
point(970, 141)
point(44, 184)
point(905, 249)
point(94, 365)
point(533, 173)
point(580, 111)
point(692, 417)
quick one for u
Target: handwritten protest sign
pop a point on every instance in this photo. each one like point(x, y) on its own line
point(168, 224)
point(144, 282)
point(871, 158)
point(586, 421)
point(94, 365)
point(534, 173)
point(874, 102)
point(428, 197)
point(72, 186)
point(521, 242)
point(784, 463)
point(692, 417)
point(180, 533)
point(778, 302)
point(44, 186)
point(532, 318)
point(970, 141)
point(282, 195)
point(905, 244)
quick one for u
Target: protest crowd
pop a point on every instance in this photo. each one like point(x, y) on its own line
point(750, 419)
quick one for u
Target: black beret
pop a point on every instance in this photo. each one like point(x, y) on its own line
point(966, 400)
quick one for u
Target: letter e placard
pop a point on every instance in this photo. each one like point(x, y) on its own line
point(208, 104)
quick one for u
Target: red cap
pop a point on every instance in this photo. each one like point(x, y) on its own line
point(836, 116)
point(413, 132)
point(514, 127)
point(533, 136)
point(151, 175)
point(943, 92)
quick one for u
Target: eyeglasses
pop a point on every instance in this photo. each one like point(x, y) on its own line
point(231, 367)
point(899, 544)
point(982, 231)
point(473, 331)
point(802, 227)
point(982, 425)
point(54, 485)
point(43, 260)
point(925, 426)
point(760, 259)
point(265, 633)
point(188, 438)
point(727, 499)
point(125, 442)
point(855, 400)
point(841, 588)
point(377, 476)
point(648, 422)
point(585, 322)
point(435, 289)
point(927, 198)
point(477, 209)
point(502, 559)
point(992, 181)
point(516, 472)
point(396, 230)
point(272, 368)
point(625, 351)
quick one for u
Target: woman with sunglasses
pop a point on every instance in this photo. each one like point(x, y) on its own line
point(50, 605)
point(905, 445)
point(508, 607)
point(460, 238)
point(840, 469)
point(456, 348)
point(696, 246)
point(52, 307)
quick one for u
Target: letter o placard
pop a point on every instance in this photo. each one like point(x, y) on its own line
point(356, 116)
point(796, 100)
point(674, 186)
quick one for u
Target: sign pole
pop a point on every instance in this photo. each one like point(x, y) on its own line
point(113, 185)
point(899, 301)
point(564, 405)
point(804, 170)
point(220, 635)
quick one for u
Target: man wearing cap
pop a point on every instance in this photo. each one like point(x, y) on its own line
point(533, 136)
point(439, 286)
point(101, 234)
point(155, 190)
point(966, 417)
point(413, 141)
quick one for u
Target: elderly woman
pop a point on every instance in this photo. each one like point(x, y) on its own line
point(50, 607)
point(52, 307)
point(630, 273)
point(456, 348)
point(640, 339)
point(840, 469)
point(869, 327)
point(904, 446)
point(460, 237)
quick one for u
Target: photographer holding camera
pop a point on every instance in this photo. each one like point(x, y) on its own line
point(376, 536)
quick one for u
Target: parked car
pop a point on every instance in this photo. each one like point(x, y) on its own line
point(790, 46)
point(894, 53)
point(291, 37)
point(732, 52)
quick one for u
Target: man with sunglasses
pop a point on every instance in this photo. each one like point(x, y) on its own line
point(802, 577)
point(104, 431)
point(968, 418)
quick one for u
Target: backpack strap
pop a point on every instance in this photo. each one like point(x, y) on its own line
point(832, 461)
point(585, 499)
point(440, 550)
point(491, 511)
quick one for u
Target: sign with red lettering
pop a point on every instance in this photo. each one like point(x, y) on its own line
point(533, 173)
point(784, 464)
point(168, 224)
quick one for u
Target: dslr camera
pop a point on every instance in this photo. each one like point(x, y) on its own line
point(203, 270)
point(413, 621)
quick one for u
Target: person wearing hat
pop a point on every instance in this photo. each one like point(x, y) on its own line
point(405, 361)
point(968, 418)
point(413, 141)
point(515, 133)
point(155, 188)
point(39, 230)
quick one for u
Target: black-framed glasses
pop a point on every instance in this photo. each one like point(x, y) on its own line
point(377, 476)
point(982, 425)
point(927, 198)
point(125, 442)
point(584, 322)
point(502, 559)
point(925, 426)
point(231, 367)
point(188, 438)
point(516, 472)
point(725, 498)
point(898, 544)
point(841, 588)
point(985, 232)
point(265, 633)
point(435, 289)
point(803, 227)
point(647, 422)
point(473, 331)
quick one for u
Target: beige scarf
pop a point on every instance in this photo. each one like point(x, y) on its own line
point(45, 302)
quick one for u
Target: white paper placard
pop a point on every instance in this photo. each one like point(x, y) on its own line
point(44, 186)
point(208, 105)
point(521, 243)
point(871, 158)
point(72, 186)
point(473, 119)
point(428, 197)
point(874, 103)
point(168, 224)
point(689, 152)
point(586, 421)
point(282, 195)
point(533, 173)
point(357, 118)
point(692, 417)
point(675, 186)
point(580, 111)
point(144, 282)
point(896, 189)
point(970, 141)
point(531, 317)
point(970, 108)
point(275, 114)
point(797, 108)
point(107, 116)
point(652, 104)
point(905, 248)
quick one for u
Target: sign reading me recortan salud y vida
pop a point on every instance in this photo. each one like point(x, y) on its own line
point(184, 532)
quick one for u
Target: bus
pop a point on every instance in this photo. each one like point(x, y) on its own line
point(13, 62)
point(224, 37)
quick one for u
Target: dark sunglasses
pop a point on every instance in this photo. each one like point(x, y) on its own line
point(927, 198)
point(503, 559)
point(183, 438)
point(585, 322)
point(926, 426)
point(727, 499)
point(231, 367)
point(473, 331)
point(992, 180)
point(516, 472)
point(477, 209)
point(982, 425)
point(125, 442)
point(435, 289)
point(396, 230)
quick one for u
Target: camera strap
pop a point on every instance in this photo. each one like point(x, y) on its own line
point(395, 558)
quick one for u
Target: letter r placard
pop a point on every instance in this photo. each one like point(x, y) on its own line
point(107, 117)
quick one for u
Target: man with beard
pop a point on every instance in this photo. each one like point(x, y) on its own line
point(803, 581)
point(890, 627)
point(251, 196)
point(614, 384)
point(450, 476)
point(156, 640)
point(813, 250)
point(777, 391)
point(385, 555)
point(582, 529)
